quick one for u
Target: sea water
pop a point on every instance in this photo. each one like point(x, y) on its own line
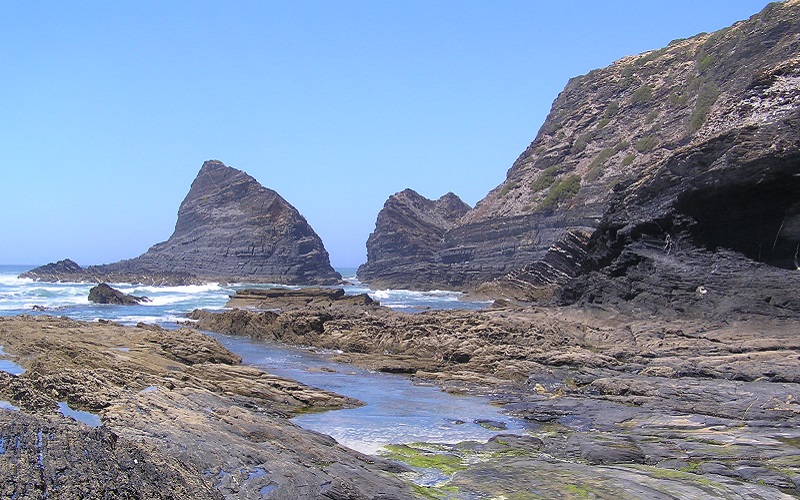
point(170, 304)
point(396, 411)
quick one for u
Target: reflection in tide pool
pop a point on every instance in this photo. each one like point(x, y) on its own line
point(9, 366)
point(86, 417)
point(396, 410)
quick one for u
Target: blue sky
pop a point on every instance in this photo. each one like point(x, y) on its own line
point(108, 109)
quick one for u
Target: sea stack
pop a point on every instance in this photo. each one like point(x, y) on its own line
point(408, 234)
point(229, 228)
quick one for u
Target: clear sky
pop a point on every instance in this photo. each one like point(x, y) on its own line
point(109, 108)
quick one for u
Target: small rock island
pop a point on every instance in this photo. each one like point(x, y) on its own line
point(229, 228)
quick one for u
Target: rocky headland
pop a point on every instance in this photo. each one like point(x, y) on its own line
point(229, 228)
point(643, 254)
point(645, 168)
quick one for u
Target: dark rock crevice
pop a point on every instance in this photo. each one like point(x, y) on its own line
point(760, 220)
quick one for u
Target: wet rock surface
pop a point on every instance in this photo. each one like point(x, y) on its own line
point(687, 407)
point(178, 403)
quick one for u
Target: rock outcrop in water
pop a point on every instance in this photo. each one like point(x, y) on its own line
point(408, 235)
point(105, 294)
point(229, 228)
point(647, 168)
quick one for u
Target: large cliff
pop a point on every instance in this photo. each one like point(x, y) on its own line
point(689, 148)
point(230, 228)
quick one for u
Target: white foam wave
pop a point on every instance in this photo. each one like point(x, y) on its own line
point(13, 280)
point(134, 319)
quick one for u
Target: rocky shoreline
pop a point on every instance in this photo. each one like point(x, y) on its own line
point(617, 405)
point(182, 418)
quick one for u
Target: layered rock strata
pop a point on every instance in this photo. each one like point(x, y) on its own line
point(409, 234)
point(284, 298)
point(181, 417)
point(229, 228)
point(692, 147)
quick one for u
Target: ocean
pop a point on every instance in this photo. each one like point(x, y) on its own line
point(170, 304)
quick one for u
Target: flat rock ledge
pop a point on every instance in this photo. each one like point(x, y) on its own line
point(615, 406)
point(181, 418)
point(286, 298)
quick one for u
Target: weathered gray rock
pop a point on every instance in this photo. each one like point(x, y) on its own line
point(56, 457)
point(105, 294)
point(693, 147)
point(408, 234)
point(229, 228)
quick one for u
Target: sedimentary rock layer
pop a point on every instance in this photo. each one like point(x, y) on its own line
point(696, 146)
point(229, 228)
point(409, 233)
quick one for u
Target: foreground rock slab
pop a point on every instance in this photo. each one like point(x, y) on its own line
point(178, 403)
point(659, 407)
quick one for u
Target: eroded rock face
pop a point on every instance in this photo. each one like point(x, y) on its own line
point(229, 228)
point(696, 146)
point(409, 233)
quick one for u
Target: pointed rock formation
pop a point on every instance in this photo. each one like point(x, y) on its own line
point(230, 228)
point(408, 233)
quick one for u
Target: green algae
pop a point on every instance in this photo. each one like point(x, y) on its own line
point(424, 458)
